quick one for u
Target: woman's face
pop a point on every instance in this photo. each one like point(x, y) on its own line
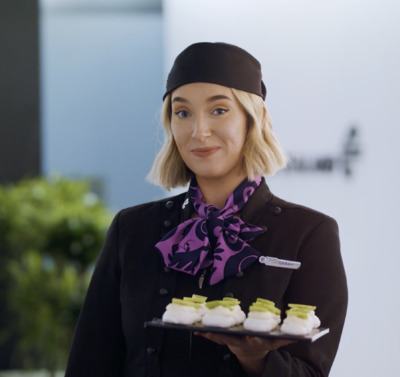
point(209, 128)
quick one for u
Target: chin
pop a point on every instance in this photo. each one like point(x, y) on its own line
point(208, 172)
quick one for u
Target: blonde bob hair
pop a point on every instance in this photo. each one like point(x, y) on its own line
point(262, 153)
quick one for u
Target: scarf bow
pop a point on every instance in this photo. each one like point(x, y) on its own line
point(216, 238)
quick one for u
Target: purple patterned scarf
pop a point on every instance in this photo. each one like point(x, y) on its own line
point(217, 238)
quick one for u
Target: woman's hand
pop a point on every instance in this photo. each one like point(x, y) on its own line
point(251, 351)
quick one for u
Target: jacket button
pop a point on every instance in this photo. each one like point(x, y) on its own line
point(240, 274)
point(169, 204)
point(229, 294)
point(167, 270)
point(226, 357)
point(167, 223)
point(163, 291)
point(151, 350)
point(277, 211)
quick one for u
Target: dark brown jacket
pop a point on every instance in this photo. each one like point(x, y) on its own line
point(130, 286)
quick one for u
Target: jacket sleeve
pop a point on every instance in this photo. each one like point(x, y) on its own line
point(98, 347)
point(320, 281)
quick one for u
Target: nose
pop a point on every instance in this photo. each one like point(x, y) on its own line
point(201, 128)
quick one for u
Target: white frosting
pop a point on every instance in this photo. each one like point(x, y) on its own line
point(219, 317)
point(238, 314)
point(257, 324)
point(202, 310)
point(294, 329)
point(218, 320)
point(181, 314)
point(315, 319)
point(262, 315)
point(261, 321)
point(294, 325)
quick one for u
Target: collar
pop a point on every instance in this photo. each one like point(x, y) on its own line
point(255, 208)
point(251, 211)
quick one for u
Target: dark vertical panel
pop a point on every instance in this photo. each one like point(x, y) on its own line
point(19, 114)
point(19, 90)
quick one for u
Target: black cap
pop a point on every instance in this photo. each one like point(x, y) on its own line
point(217, 63)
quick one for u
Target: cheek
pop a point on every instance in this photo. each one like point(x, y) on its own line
point(179, 138)
point(173, 130)
point(237, 134)
point(175, 134)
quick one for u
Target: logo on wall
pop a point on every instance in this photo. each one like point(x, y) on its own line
point(344, 161)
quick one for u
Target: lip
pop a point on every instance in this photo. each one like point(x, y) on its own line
point(204, 152)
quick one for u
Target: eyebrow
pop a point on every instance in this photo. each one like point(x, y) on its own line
point(210, 99)
point(179, 99)
point(218, 97)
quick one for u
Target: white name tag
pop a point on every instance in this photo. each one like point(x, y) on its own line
point(282, 263)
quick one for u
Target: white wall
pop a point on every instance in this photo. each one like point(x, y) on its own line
point(101, 92)
point(329, 65)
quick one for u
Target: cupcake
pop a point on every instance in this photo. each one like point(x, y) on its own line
point(220, 314)
point(300, 320)
point(263, 316)
point(182, 312)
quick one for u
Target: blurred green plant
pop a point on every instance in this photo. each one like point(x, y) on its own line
point(51, 231)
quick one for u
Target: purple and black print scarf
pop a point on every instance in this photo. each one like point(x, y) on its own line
point(217, 238)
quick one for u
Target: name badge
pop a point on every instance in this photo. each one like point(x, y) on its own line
point(282, 263)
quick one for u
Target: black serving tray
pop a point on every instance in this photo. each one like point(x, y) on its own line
point(239, 330)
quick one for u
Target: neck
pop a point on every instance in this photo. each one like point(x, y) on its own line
point(216, 191)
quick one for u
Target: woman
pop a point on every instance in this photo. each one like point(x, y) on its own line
point(208, 241)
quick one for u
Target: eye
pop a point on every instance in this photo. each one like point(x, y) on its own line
point(181, 114)
point(219, 111)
